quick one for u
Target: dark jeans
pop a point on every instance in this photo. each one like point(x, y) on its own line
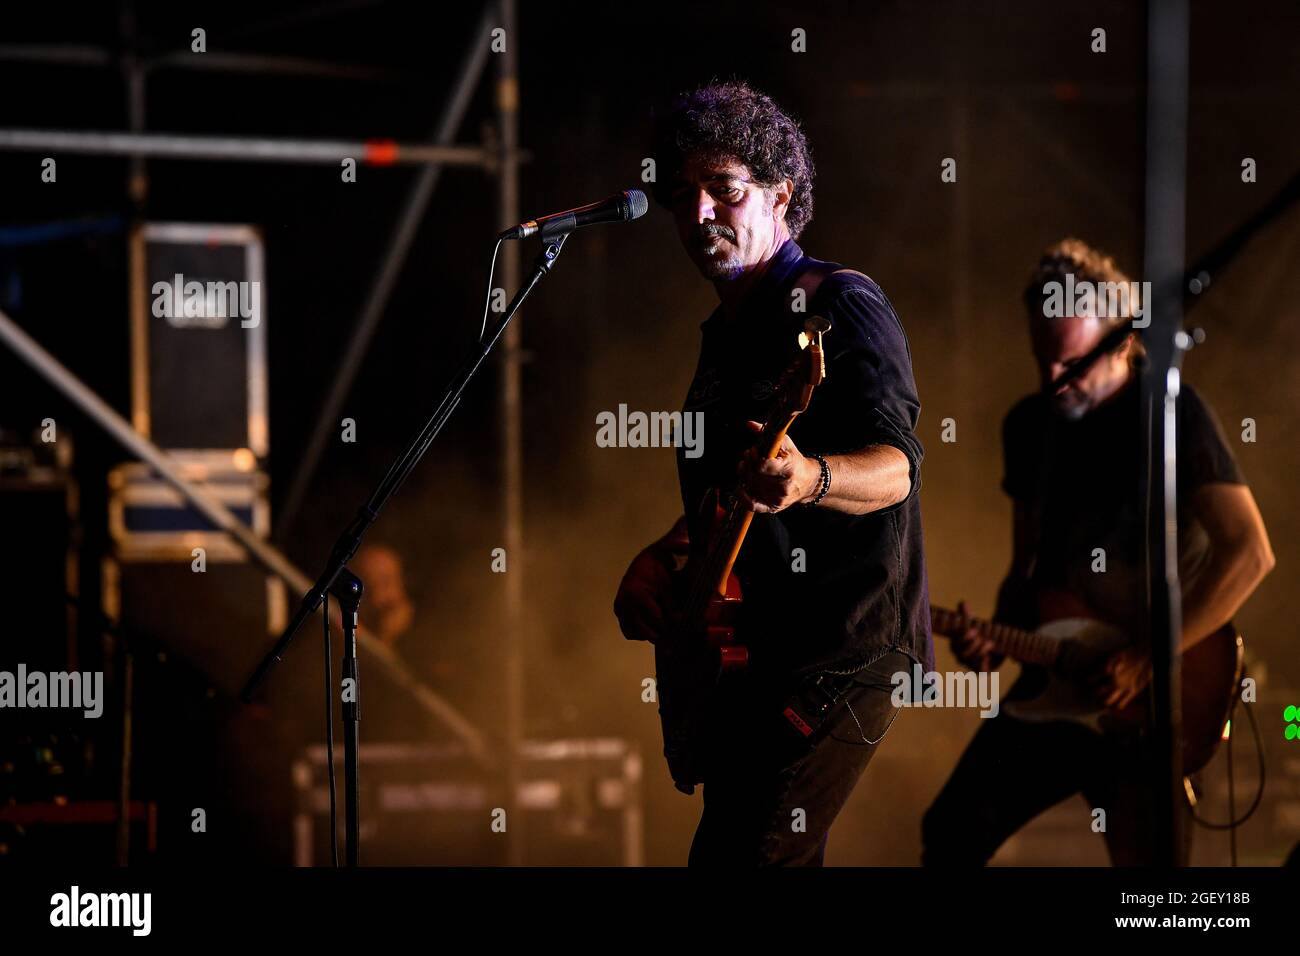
point(771, 794)
point(1013, 770)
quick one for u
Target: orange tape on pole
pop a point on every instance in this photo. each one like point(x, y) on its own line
point(380, 152)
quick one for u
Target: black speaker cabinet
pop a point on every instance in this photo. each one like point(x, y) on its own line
point(198, 339)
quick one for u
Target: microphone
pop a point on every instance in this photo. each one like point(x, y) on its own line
point(621, 207)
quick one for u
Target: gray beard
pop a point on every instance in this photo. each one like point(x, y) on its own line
point(721, 268)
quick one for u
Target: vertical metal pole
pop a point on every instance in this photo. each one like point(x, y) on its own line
point(133, 73)
point(1166, 166)
point(348, 589)
point(137, 187)
point(511, 433)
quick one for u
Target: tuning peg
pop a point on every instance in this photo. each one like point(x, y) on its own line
point(813, 328)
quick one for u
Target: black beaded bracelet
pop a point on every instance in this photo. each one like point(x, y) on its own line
point(825, 485)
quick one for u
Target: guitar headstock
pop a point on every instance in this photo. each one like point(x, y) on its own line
point(794, 390)
point(810, 342)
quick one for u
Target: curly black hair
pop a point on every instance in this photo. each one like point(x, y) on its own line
point(734, 120)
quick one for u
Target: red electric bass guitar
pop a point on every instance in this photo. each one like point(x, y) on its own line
point(701, 642)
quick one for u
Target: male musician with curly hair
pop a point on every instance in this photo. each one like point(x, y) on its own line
point(832, 571)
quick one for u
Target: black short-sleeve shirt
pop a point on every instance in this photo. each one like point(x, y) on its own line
point(1081, 479)
point(823, 589)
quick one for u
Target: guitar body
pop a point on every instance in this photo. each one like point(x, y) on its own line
point(691, 659)
point(1211, 672)
point(1071, 700)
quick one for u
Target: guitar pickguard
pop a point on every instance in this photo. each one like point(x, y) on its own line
point(1063, 699)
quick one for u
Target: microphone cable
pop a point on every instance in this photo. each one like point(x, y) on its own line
point(487, 299)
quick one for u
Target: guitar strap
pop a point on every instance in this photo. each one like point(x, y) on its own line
point(812, 278)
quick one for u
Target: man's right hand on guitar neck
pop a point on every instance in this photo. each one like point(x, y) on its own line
point(642, 602)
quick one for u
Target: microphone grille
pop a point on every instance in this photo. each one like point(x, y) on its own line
point(637, 204)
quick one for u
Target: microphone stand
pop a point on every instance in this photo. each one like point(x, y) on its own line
point(347, 588)
point(350, 539)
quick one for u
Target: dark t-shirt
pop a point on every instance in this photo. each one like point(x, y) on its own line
point(862, 590)
point(1082, 479)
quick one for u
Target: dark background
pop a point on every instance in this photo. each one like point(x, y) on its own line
point(1049, 141)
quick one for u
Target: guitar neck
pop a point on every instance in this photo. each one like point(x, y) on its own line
point(793, 394)
point(727, 548)
point(1015, 642)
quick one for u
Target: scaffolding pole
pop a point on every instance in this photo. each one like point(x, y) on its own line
point(92, 56)
point(250, 149)
point(507, 101)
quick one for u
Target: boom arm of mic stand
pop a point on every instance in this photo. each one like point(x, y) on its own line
point(350, 539)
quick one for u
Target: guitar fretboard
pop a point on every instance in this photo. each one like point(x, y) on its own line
point(793, 393)
point(1015, 642)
